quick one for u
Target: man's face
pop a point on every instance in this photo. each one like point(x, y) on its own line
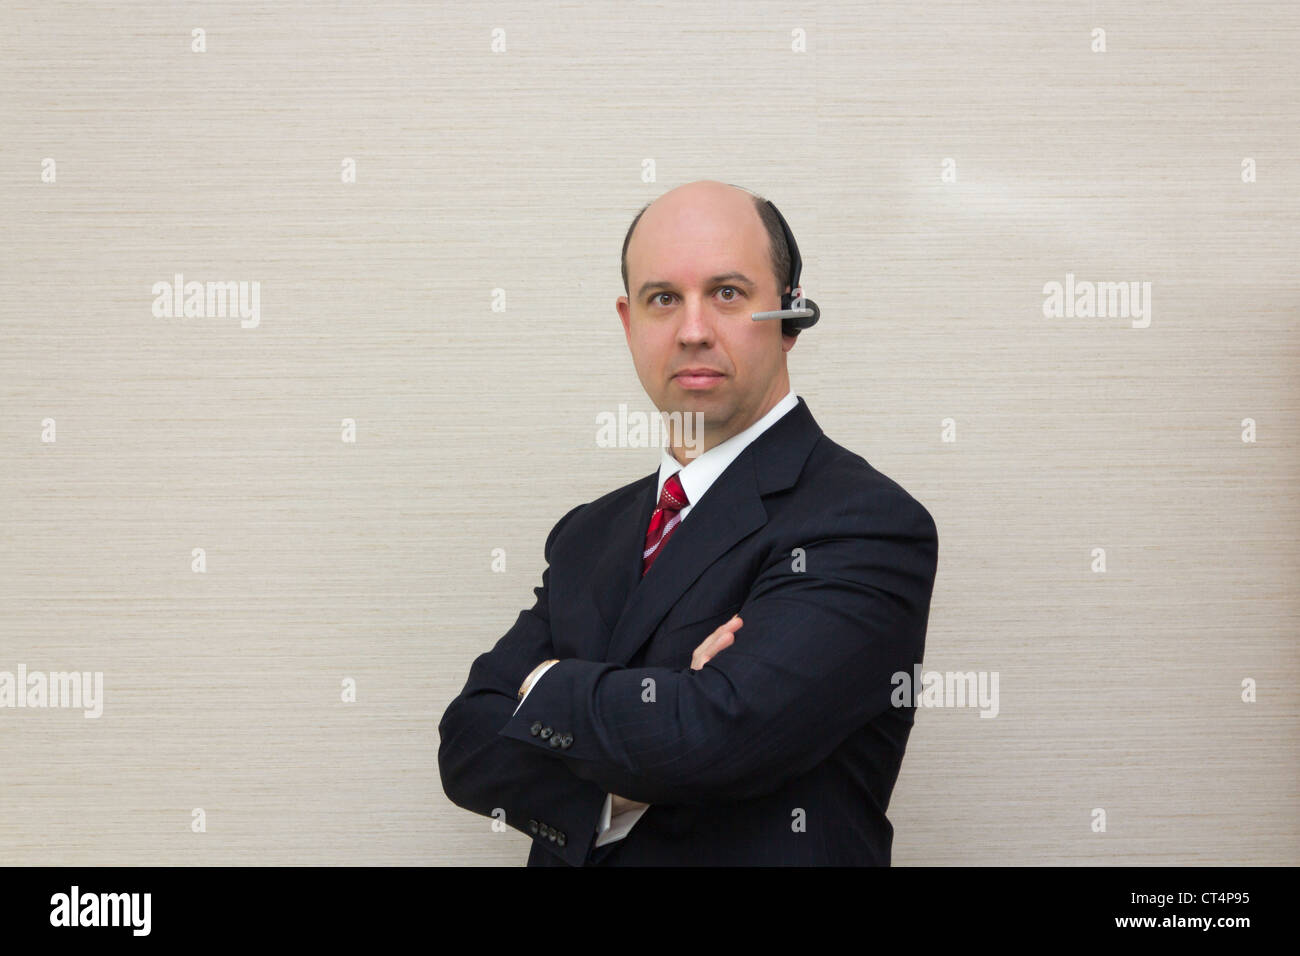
point(698, 266)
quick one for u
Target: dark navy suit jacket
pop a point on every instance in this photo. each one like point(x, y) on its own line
point(784, 748)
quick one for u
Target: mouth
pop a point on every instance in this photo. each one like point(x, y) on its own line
point(698, 378)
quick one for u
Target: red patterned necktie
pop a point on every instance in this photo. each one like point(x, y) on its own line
point(664, 521)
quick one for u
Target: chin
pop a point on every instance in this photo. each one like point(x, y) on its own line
point(697, 401)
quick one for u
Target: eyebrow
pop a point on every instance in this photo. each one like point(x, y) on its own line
point(737, 277)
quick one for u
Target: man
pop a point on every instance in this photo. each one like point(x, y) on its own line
point(707, 674)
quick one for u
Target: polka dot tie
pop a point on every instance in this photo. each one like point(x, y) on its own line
point(664, 521)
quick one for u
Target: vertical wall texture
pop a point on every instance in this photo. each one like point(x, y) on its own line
point(1117, 541)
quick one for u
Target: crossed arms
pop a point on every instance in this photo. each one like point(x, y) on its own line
point(813, 663)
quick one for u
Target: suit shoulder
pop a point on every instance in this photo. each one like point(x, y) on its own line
point(847, 478)
point(600, 511)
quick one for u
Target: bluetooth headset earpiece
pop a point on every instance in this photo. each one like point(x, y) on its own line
point(796, 312)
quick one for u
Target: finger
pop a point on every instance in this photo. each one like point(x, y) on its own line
point(715, 643)
point(720, 644)
point(726, 632)
point(730, 627)
point(704, 644)
point(721, 637)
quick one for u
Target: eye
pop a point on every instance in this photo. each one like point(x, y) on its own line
point(655, 299)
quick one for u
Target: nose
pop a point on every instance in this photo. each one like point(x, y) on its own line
point(696, 327)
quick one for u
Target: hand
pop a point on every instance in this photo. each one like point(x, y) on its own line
point(716, 642)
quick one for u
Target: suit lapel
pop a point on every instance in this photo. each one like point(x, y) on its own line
point(730, 511)
point(619, 570)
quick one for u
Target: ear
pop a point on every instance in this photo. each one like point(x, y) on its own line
point(787, 341)
point(622, 306)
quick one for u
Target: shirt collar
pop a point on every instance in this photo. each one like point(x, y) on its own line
point(700, 473)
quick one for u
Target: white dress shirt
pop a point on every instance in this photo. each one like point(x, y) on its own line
point(696, 478)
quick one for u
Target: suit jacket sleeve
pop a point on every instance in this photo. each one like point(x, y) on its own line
point(814, 660)
point(484, 772)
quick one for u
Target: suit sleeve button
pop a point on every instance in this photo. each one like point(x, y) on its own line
point(532, 826)
point(557, 741)
point(545, 733)
point(536, 728)
point(561, 839)
point(566, 741)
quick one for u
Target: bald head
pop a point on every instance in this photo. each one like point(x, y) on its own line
point(703, 204)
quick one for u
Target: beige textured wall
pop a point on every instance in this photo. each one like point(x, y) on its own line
point(520, 170)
